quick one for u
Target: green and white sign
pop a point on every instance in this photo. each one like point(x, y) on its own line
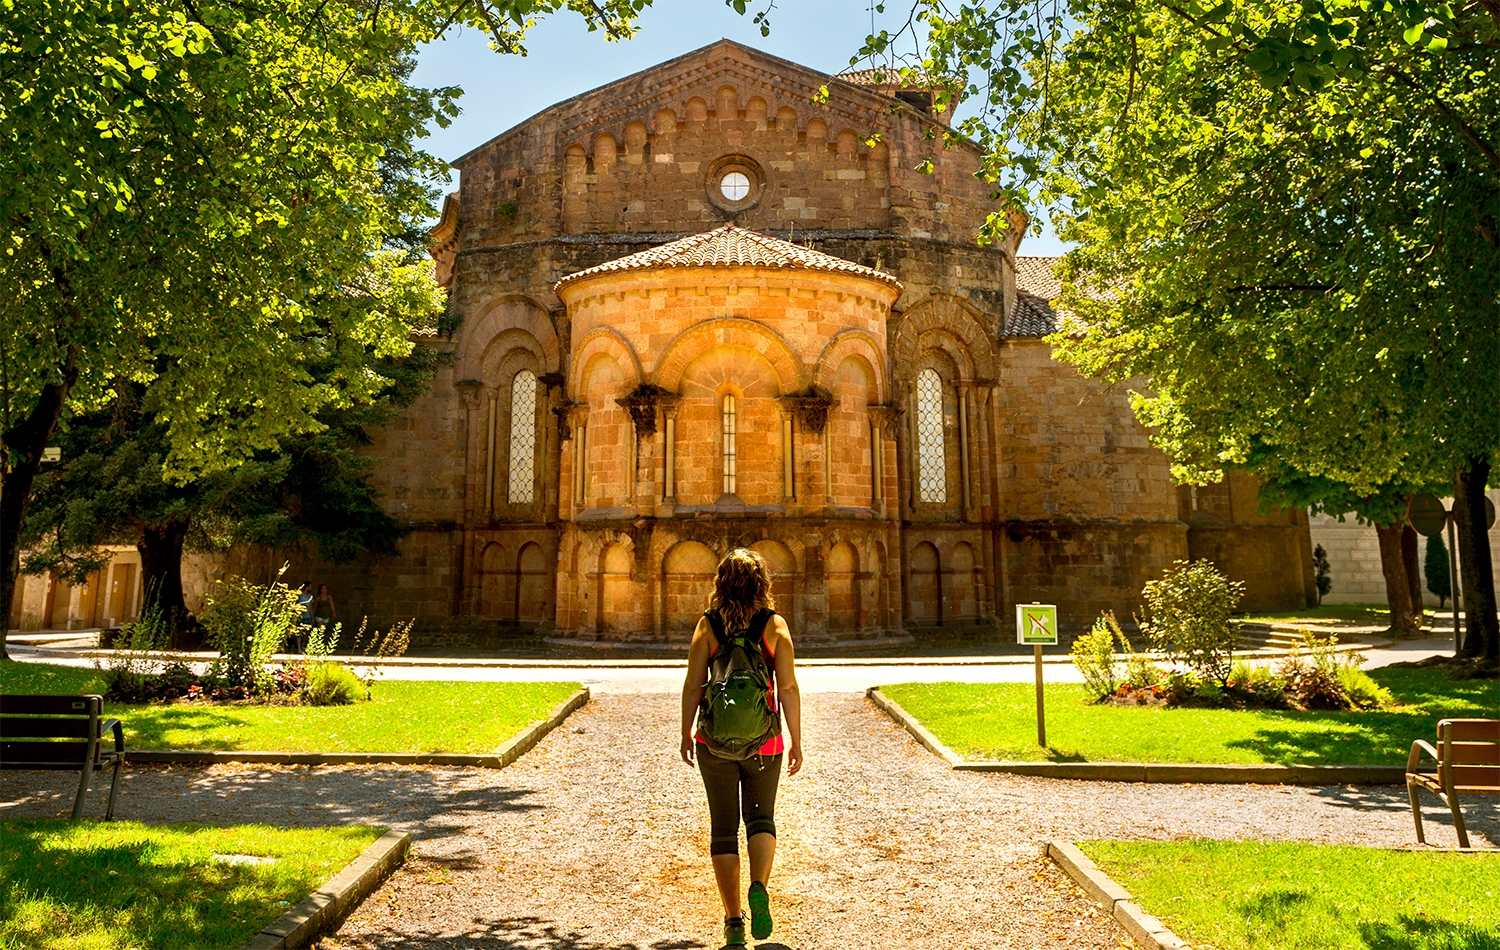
point(1036, 624)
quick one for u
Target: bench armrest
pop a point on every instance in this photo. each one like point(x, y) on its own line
point(1417, 748)
point(113, 725)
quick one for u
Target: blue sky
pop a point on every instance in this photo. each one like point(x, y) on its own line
point(565, 60)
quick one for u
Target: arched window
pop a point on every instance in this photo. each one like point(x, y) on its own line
point(523, 438)
point(932, 463)
point(729, 445)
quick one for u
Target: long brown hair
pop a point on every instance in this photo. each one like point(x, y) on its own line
point(742, 588)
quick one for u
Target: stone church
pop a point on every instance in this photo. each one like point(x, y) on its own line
point(707, 306)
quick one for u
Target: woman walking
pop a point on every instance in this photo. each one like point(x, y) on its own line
point(740, 680)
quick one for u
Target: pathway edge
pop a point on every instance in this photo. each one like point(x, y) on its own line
point(330, 904)
point(1157, 773)
point(512, 749)
point(905, 719)
point(1148, 930)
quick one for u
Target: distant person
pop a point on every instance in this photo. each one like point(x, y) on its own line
point(305, 600)
point(740, 679)
point(323, 614)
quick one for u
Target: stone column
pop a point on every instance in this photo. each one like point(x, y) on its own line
point(489, 456)
point(572, 419)
point(788, 459)
point(669, 454)
point(963, 450)
point(811, 412)
point(466, 592)
point(643, 408)
point(549, 452)
point(885, 426)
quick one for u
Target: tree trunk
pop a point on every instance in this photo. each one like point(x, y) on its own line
point(161, 571)
point(1479, 601)
point(25, 440)
point(1464, 582)
point(1397, 586)
point(1413, 565)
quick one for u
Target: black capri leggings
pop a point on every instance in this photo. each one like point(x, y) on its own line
point(728, 782)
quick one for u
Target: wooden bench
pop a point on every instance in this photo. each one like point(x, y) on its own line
point(1466, 761)
point(62, 733)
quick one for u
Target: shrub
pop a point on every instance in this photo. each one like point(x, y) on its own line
point(332, 684)
point(131, 667)
point(1322, 572)
point(1188, 617)
point(248, 624)
point(1141, 672)
point(1093, 655)
point(1260, 682)
point(1363, 692)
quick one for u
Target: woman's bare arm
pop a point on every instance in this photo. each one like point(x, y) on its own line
point(788, 697)
point(692, 687)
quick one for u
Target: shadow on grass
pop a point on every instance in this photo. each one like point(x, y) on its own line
point(1273, 908)
point(1363, 738)
point(525, 933)
point(150, 731)
point(1421, 933)
point(141, 901)
point(1378, 737)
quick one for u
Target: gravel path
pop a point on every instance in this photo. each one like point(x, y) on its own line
point(597, 839)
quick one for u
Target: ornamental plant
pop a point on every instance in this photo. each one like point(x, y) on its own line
point(248, 624)
point(1188, 617)
point(1093, 655)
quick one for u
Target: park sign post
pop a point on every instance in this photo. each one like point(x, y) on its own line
point(1036, 624)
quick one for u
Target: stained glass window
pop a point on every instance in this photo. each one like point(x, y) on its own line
point(729, 445)
point(523, 438)
point(932, 463)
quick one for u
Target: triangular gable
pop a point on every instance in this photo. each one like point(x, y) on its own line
point(724, 62)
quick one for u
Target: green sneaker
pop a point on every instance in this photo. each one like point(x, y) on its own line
point(734, 931)
point(760, 911)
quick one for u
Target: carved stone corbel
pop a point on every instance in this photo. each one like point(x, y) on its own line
point(642, 404)
point(569, 417)
point(471, 390)
point(887, 419)
point(811, 408)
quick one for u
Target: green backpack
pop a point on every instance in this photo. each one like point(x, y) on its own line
point(735, 717)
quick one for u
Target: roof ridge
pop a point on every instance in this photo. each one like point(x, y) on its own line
point(730, 245)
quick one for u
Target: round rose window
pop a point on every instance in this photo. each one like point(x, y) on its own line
point(734, 186)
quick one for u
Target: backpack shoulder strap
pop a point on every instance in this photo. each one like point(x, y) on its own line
point(760, 622)
point(716, 625)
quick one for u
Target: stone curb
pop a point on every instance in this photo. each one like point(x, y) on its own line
point(501, 663)
point(1147, 930)
point(513, 748)
point(1166, 773)
point(331, 903)
point(905, 719)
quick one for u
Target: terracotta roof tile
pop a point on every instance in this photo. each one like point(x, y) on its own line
point(887, 76)
point(1036, 287)
point(731, 246)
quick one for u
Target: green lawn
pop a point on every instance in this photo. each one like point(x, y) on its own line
point(998, 721)
point(404, 716)
point(1238, 895)
point(119, 884)
point(1362, 614)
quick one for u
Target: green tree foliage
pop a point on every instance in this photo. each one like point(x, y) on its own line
point(202, 199)
point(110, 489)
point(1288, 220)
point(1435, 566)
